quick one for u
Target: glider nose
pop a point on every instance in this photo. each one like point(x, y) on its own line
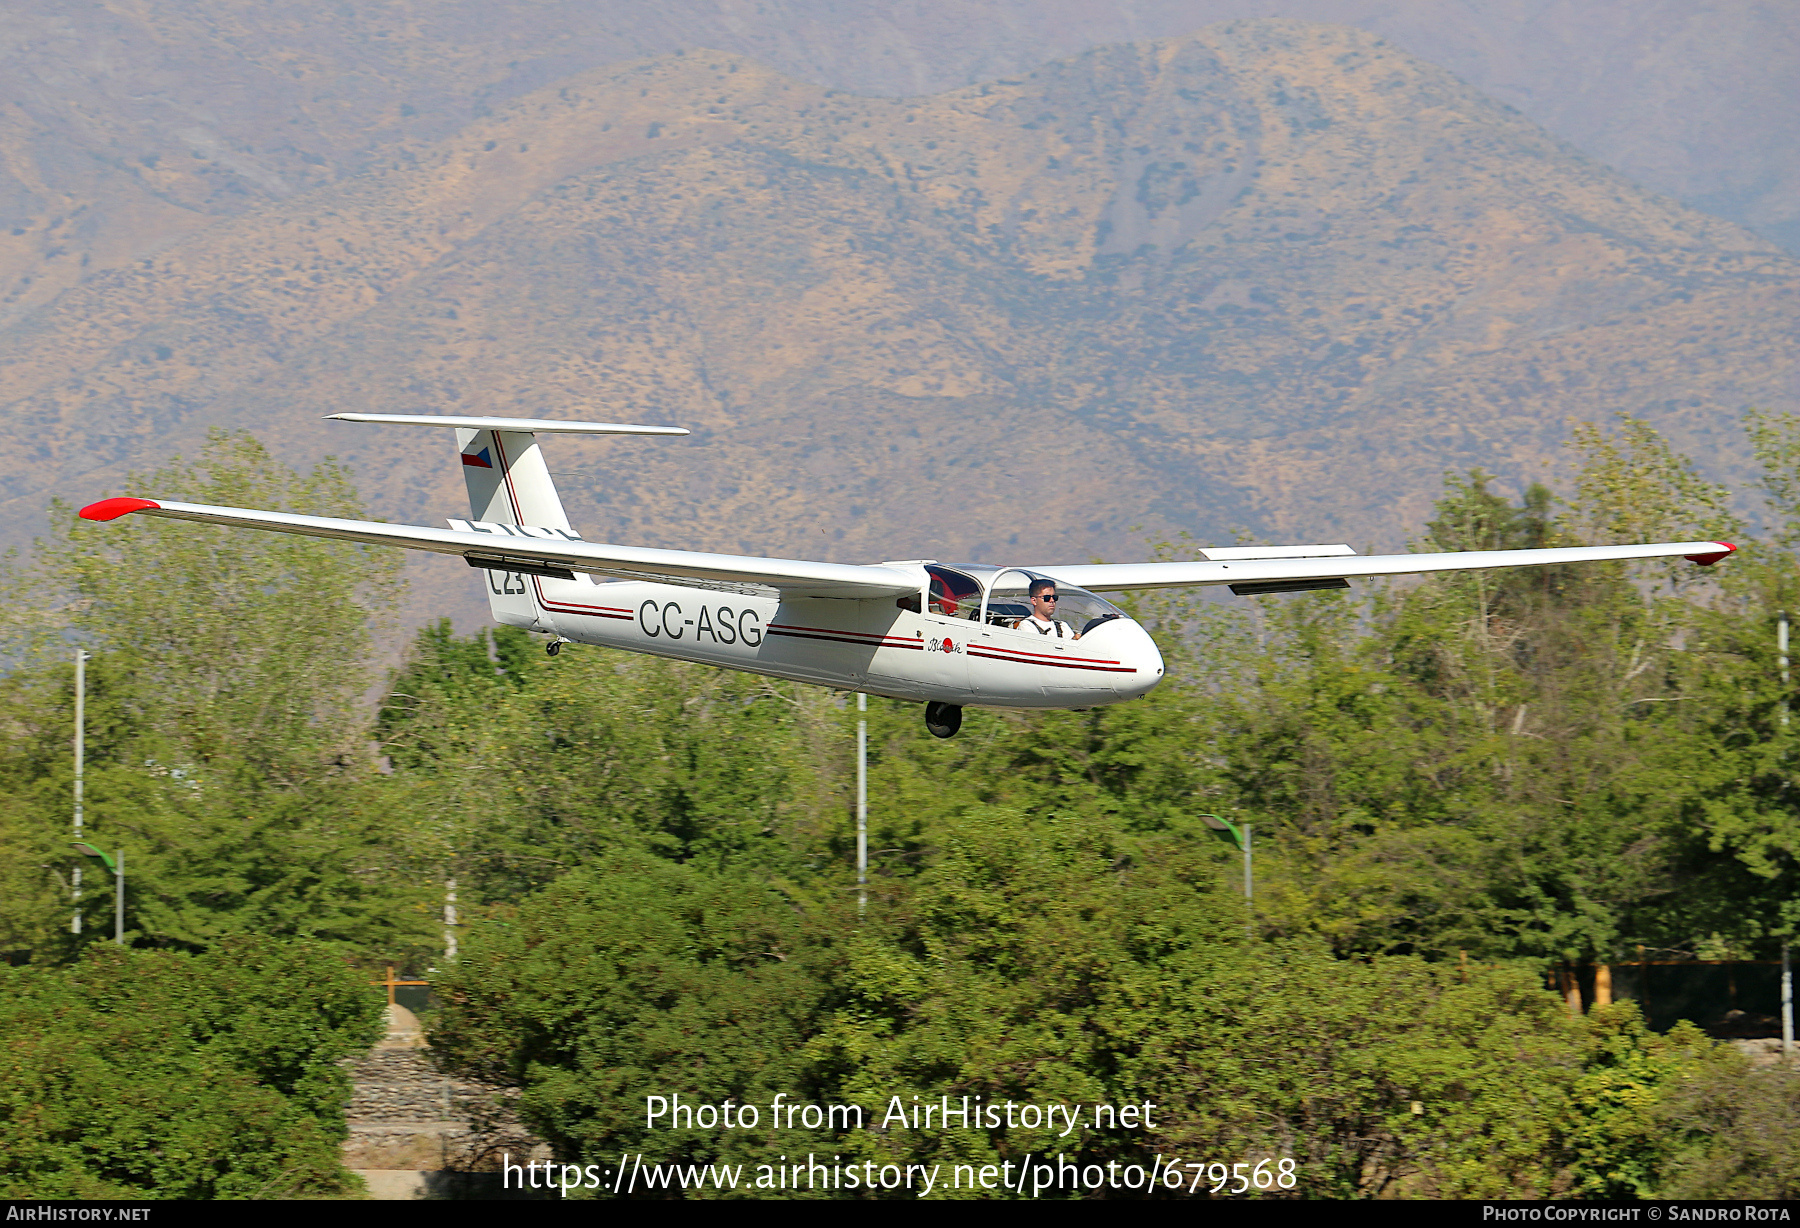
point(1138, 650)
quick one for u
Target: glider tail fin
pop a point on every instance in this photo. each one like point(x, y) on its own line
point(509, 484)
point(508, 481)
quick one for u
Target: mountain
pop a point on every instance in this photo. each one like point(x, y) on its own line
point(1271, 275)
point(125, 128)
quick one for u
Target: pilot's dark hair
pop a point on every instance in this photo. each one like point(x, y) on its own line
point(1040, 584)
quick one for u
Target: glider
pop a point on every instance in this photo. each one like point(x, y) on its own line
point(949, 636)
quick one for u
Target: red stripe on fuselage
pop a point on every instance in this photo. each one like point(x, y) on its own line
point(1034, 657)
point(1054, 664)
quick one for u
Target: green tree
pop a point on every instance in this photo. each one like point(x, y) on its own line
point(1775, 440)
point(1734, 830)
point(226, 750)
point(248, 651)
point(1036, 959)
point(155, 1074)
point(1632, 486)
point(1481, 761)
point(634, 977)
point(1736, 1130)
point(514, 770)
point(1618, 1118)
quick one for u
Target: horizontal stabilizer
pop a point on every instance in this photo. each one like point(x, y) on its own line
point(534, 426)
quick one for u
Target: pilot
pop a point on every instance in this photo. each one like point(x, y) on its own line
point(1043, 613)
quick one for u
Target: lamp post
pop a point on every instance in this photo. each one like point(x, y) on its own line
point(1787, 968)
point(81, 657)
point(862, 803)
point(1241, 838)
point(1787, 1004)
point(118, 873)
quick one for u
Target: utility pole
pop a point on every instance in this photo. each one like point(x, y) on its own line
point(1249, 888)
point(449, 920)
point(1781, 646)
point(862, 803)
point(1787, 1005)
point(81, 657)
point(1787, 969)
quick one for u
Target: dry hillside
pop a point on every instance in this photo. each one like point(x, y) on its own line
point(1271, 274)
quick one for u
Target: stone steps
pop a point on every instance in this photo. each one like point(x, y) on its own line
point(416, 1132)
point(402, 1085)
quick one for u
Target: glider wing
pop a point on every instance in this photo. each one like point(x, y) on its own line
point(1250, 570)
point(549, 552)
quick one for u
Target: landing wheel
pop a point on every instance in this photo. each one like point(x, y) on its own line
point(943, 720)
point(554, 647)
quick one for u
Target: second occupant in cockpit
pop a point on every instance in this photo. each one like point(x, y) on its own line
point(1042, 618)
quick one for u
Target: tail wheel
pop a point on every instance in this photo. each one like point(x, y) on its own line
point(943, 720)
point(553, 647)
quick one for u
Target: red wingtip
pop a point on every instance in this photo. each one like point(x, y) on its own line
point(112, 509)
point(1712, 556)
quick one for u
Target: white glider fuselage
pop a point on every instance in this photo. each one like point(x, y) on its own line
point(934, 634)
point(874, 646)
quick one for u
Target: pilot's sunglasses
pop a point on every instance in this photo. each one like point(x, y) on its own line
point(1046, 596)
